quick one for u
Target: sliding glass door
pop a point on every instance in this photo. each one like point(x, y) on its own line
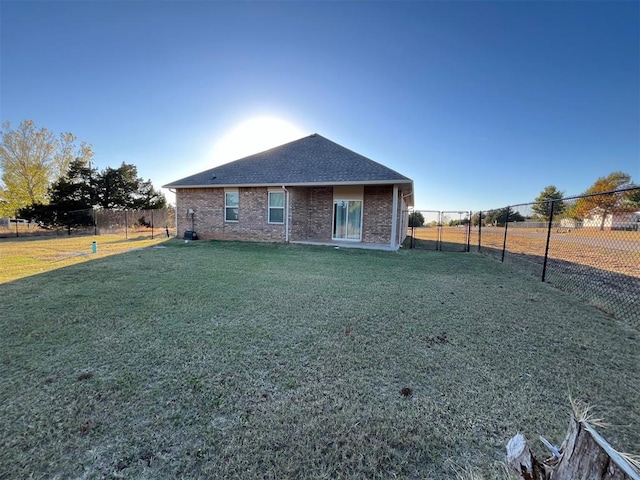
point(347, 220)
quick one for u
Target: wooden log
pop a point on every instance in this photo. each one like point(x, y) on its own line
point(582, 457)
point(588, 456)
point(619, 463)
point(585, 456)
point(521, 460)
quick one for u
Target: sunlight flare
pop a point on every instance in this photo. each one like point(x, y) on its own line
point(252, 136)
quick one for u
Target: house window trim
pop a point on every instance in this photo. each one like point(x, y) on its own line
point(227, 207)
point(269, 207)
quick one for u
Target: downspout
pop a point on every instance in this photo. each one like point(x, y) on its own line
point(403, 226)
point(286, 214)
point(175, 211)
point(394, 217)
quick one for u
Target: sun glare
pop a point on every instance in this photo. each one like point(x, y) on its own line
point(253, 136)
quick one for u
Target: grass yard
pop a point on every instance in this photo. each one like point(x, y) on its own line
point(238, 360)
point(22, 257)
point(614, 251)
point(611, 250)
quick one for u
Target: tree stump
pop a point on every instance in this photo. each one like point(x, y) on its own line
point(585, 455)
point(522, 461)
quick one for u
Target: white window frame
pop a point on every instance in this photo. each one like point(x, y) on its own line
point(227, 207)
point(270, 207)
point(333, 222)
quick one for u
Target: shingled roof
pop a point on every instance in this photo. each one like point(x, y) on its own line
point(307, 161)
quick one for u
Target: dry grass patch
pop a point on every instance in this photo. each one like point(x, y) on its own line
point(23, 257)
point(614, 251)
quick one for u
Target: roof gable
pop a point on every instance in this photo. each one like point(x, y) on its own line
point(309, 160)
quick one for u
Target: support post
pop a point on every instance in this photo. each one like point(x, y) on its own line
point(546, 248)
point(469, 233)
point(506, 227)
point(480, 231)
point(394, 217)
point(151, 224)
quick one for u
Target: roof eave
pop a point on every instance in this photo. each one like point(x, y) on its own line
point(295, 184)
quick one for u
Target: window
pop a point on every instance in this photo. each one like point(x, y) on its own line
point(231, 200)
point(347, 220)
point(276, 207)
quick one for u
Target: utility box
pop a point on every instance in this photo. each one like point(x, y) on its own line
point(190, 235)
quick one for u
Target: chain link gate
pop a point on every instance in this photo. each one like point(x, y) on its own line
point(445, 231)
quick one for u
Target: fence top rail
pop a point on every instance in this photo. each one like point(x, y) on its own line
point(575, 197)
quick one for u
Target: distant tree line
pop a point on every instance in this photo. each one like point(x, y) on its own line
point(626, 200)
point(595, 202)
point(84, 188)
point(44, 178)
point(497, 217)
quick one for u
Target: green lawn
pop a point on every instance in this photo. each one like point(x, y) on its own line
point(237, 360)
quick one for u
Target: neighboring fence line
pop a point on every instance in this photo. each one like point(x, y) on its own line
point(445, 231)
point(588, 245)
point(153, 222)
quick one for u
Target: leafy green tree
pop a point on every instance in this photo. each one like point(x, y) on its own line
point(455, 223)
point(121, 188)
point(84, 188)
point(25, 158)
point(542, 207)
point(416, 219)
point(76, 189)
point(499, 217)
point(67, 152)
point(72, 192)
point(632, 199)
point(30, 159)
point(606, 203)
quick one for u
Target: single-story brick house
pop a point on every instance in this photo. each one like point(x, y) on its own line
point(309, 190)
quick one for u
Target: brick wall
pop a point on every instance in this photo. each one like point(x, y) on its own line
point(311, 211)
point(209, 223)
point(376, 222)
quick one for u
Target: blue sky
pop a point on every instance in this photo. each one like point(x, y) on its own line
point(482, 104)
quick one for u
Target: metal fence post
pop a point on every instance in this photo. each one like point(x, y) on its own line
point(506, 227)
point(469, 232)
point(480, 231)
point(546, 248)
point(95, 223)
point(126, 227)
point(151, 224)
point(439, 242)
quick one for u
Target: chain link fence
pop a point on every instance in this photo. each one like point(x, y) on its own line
point(128, 223)
point(588, 245)
point(446, 231)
